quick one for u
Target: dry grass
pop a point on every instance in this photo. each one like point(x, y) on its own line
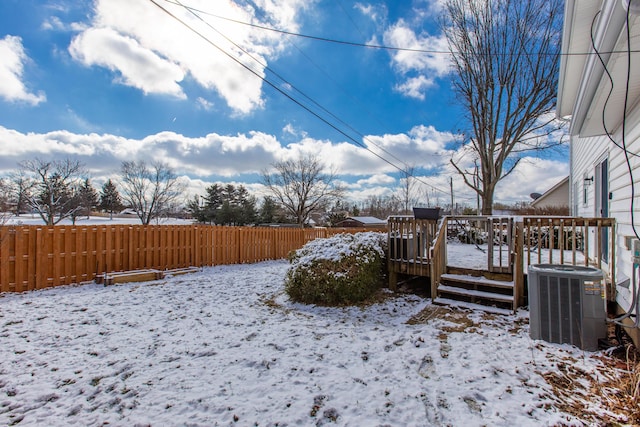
point(608, 397)
point(614, 389)
point(459, 317)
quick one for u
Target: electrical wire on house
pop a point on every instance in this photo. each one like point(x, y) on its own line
point(608, 97)
point(634, 308)
point(289, 96)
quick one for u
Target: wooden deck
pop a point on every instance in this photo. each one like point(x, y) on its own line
point(409, 245)
point(418, 247)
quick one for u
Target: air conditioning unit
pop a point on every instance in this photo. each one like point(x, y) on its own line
point(567, 305)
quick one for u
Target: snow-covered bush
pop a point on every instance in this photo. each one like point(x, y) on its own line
point(342, 269)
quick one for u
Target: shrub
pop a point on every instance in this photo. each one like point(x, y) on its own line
point(342, 269)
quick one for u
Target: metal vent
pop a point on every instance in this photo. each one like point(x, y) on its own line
point(566, 305)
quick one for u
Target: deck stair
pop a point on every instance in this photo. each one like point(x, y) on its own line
point(475, 288)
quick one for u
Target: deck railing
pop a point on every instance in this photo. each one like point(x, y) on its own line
point(438, 253)
point(568, 240)
point(409, 243)
point(493, 231)
point(511, 244)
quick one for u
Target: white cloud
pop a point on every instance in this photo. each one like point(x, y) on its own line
point(12, 61)
point(151, 36)
point(206, 156)
point(80, 122)
point(415, 87)
point(240, 157)
point(359, 196)
point(53, 23)
point(291, 130)
point(419, 69)
point(532, 174)
point(402, 35)
point(374, 180)
point(204, 104)
point(376, 13)
point(138, 67)
point(422, 146)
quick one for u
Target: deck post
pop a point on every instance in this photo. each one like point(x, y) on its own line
point(518, 268)
point(393, 280)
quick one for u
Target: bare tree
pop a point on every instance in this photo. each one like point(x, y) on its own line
point(301, 187)
point(505, 55)
point(407, 190)
point(20, 186)
point(381, 206)
point(5, 206)
point(85, 198)
point(47, 187)
point(5, 198)
point(149, 190)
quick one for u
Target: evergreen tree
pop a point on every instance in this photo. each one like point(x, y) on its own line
point(88, 197)
point(110, 200)
point(245, 207)
point(212, 203)
point(197, 211)
point(226, 215)
point(224, 205)
point(267, 212)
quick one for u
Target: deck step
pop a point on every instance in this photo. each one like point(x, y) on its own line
point(472, 306)
point(472, 293)
point(476, 280)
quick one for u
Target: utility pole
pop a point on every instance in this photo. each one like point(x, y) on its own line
point(476, 184)
point(451, 185)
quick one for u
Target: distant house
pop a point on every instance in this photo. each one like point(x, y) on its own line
point(128, 211)
point(605, 139)
point(362, 221)
point(555, 197)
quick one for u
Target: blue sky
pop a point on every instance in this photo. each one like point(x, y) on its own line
point(110, 80)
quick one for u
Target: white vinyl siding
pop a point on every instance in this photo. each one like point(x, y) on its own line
point(586, 154)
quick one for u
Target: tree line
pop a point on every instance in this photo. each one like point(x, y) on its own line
point(301, 191)
point(60, 189)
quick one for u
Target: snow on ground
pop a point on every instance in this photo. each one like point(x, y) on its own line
point(225, 346)
point(475, 257)
point(34, 219)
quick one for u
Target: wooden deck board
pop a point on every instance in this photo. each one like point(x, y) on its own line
point(475, 293)
point(477, 280)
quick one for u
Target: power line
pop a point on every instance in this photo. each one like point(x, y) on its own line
point(274, 86)
point(377, 46)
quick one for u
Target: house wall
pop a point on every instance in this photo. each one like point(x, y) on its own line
point(557, 198)
point(586, 154)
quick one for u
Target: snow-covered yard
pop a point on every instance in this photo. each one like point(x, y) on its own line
point(225, 346)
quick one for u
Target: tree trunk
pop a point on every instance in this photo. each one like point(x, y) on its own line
point(487, 201)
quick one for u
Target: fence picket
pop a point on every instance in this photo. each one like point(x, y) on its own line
point(35, 257)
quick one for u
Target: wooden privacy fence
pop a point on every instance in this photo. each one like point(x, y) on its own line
point(37, 257)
